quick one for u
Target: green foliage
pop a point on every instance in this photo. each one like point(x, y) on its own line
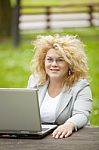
point(15, 62)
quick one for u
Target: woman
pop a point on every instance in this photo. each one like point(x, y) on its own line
point(61, 75)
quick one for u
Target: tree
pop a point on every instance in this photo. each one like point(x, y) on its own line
point(5, 17)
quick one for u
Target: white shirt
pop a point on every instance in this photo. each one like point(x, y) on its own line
point(48, 108)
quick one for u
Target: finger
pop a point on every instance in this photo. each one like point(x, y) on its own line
point(68, 134)
point(63, 134)
point(57, 134)
point(54, 133)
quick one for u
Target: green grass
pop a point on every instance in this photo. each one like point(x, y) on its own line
point(15, 62)
point(56, 2)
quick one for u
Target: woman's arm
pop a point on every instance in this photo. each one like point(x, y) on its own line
point(80, 114)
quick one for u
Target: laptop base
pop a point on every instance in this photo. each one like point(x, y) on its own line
point(25, 136)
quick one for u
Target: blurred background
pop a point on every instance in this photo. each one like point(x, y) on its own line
point(21, 21)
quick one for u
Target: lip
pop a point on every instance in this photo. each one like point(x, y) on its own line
point(54, 69)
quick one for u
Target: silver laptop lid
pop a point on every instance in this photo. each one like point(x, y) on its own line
point(19, 110)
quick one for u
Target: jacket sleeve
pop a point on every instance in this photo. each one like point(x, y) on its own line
point(33, 81)
point(82, 108)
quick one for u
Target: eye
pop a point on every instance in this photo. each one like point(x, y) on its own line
point(60, 60)
point(49, 60)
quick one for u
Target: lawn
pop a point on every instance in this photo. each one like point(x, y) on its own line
point(15, 62)
point(55, 2)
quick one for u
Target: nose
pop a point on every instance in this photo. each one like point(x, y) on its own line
point(54, 63)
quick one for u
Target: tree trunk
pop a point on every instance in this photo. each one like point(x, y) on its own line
point(5, 17)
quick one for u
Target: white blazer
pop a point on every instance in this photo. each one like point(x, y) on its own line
point(75, 104)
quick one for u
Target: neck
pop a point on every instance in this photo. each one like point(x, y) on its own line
point(55, 87)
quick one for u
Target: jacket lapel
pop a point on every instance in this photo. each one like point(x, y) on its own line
point(64, 100)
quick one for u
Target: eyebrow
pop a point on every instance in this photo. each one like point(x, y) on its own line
point(57, 57)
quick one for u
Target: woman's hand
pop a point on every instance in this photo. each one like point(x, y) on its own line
point(63, 130)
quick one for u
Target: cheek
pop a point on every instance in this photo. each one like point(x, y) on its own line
point(47, 66)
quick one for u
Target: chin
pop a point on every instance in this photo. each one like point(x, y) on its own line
point(54, 76)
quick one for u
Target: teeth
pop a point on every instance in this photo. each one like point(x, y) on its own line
point(53, 70)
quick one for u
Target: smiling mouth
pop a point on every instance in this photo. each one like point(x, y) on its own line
point(54, 70)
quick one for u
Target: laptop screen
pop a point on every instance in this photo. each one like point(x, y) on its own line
point(19, 109)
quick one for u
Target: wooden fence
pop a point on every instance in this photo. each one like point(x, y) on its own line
point(53, 17)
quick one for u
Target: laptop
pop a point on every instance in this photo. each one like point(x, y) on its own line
point(20, 114)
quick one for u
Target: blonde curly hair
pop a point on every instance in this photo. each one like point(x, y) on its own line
point(71, 49)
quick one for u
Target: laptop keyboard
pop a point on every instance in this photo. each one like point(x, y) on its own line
point(44, 129)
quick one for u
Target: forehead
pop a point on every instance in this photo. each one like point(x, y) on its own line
point(53, 52)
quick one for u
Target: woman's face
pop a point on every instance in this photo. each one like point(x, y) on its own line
point(55, 65)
